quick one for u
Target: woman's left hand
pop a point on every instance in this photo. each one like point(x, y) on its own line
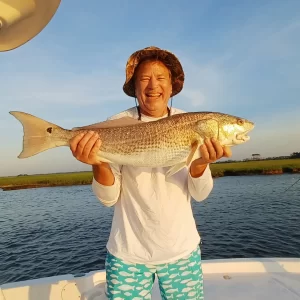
point(210, 152)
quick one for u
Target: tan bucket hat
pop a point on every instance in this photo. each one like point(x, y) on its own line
point(22, 20)
point(168, 58)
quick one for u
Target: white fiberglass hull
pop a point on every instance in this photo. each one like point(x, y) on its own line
point(242, 279)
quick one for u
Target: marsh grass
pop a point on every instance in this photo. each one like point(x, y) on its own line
point(48, 179)
point(218, 170)
point(256, 167)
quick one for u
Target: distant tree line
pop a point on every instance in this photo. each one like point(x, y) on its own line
point(295, 155)
point(291, 156)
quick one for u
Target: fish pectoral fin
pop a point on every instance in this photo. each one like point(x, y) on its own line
point(183, 164)
point(105, 160)
point(192, 153)
point(121, 122)
point(208, 128)
point(175, 169)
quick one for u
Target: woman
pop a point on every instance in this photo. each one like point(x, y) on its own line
point(153, 229)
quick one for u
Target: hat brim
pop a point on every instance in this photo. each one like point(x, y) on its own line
point(168, 58)
point(20, 33)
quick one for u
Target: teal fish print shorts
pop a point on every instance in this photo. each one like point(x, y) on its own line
point(181, 279)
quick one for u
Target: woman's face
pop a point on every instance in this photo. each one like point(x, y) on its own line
point(153, 88)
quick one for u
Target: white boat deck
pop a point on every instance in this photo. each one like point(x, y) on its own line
point(242, 279)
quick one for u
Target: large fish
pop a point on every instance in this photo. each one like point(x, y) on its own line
point(168, 142)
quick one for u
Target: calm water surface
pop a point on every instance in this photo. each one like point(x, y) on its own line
point(53, 231)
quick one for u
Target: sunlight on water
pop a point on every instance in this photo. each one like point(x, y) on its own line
point(53, 231)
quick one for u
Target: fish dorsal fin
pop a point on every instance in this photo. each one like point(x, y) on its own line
point(121, 122)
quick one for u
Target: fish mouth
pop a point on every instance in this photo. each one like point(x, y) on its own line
point(243, 136)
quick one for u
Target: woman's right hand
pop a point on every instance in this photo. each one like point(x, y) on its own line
point(85, 147)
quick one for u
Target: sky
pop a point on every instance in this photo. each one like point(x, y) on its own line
point(239, 57)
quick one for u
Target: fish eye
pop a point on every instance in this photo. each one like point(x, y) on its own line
point(240, 122)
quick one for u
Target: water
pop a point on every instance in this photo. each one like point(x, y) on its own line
point(53, 231)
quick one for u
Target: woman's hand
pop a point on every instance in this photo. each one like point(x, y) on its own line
point(85, 147)
point(210, 152)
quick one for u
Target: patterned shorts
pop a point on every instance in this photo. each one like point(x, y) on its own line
point(181, 279)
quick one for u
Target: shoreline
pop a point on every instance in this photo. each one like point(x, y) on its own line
point(35, 186)
point(85, 178)
point(280, 171)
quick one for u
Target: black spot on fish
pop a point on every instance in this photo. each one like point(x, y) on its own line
point(49, 129)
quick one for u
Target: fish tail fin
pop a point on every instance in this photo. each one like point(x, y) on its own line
point(39, 135)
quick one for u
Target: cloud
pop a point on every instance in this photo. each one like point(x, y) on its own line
point(278, 46)
point(44, 80)
point(195, 97)
point(50, 88)
point(274, 134)
point(204, 84)
point(47, 89)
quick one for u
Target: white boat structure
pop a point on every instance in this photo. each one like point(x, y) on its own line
point(242, 279)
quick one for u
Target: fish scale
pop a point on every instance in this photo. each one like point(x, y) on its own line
point(147, 136)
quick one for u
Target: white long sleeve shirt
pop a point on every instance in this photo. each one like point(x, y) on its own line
point(153, 220)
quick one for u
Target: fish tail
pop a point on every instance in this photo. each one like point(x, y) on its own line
point(39, 135)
